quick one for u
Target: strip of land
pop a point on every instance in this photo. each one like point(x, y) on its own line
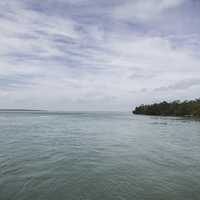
point(19, 110)
point(175, 108)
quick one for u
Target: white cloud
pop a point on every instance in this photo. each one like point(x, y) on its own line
point(144, 10)
point(72, 65)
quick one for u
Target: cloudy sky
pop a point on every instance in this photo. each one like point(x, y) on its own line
point(98, 54)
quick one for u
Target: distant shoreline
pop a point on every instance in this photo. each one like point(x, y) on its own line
point(21, 110)
point(175, 108)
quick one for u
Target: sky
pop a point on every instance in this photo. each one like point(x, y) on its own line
point(98, 54)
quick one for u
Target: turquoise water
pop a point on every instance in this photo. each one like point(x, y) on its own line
point(98, 156)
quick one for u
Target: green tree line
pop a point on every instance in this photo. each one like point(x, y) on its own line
point(175, 108)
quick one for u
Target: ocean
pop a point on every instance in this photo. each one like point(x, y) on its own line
point(98, 156)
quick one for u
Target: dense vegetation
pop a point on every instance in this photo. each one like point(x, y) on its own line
point(175, 108)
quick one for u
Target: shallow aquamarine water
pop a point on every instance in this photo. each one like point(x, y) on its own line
point(98, 156)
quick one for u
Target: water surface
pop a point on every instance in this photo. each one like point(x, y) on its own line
point(98, 156)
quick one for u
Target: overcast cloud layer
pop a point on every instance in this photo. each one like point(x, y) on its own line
point(98, 54)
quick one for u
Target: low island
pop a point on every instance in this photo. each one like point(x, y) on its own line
point(175, 108)
point(20, 110)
